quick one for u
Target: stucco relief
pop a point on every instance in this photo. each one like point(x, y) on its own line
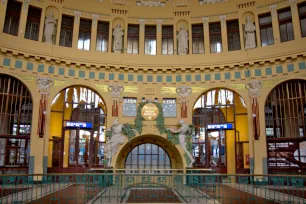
point(211, 1)
point(44, 85)
point(183, 93)
point(118, 34)
point(254, 89)
point(249, 30)
point(116, 90)
point(182, 38)
point(50, 25)
point(150, 3)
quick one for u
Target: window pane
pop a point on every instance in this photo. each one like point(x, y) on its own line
point(102, 36)
point(215, 37)
point(197, 39)
point(66, 31)
point(129, 107)
point(84, 34)
point(133, 38)
point(11, 24)
point(150, 40)
point(33, 21)
point(169, 108)
point(167, 40)
point(233, 35)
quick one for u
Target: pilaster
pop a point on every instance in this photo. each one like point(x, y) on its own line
point(205, 21)
point(23, 18)
point(94, 28)
point(295, 19)
point(76, 26)
point(224, 33)
point(159, 37)
point(58, 27)
point(275, 23)
point(42, 24)
point(3, 5)
point(110, 37)
point(125, 38)
point(141, 36)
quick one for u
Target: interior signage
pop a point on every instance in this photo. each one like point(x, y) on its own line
point(72, 124)
point(226, 126)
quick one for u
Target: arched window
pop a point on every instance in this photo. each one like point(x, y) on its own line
point(15, 122)
point(285, 114)
point(148, 156)
point(80, 112)
point(214, 108)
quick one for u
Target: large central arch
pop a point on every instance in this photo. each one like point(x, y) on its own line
point(174, 154)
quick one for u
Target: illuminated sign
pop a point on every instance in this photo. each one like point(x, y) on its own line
point(149, 111)
point(72, 124)
point(227, 126)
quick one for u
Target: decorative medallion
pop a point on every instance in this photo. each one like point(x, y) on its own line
point(149, 111)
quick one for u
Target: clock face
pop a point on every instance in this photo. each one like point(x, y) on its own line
point(149, 111)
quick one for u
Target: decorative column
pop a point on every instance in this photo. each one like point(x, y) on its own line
point(224, 33)
point(23, 18)
point(76, 26)
point(254, 92)
point(159, 37)
point(275, 24)
point(183, 94)
point(206, 34)
point(44, 85)
point(94, 28)
point(295, 19)
point(141, 36)
point(115, 91)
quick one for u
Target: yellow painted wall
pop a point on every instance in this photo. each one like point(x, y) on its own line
point(16, 48)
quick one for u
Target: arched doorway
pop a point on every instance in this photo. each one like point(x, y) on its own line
point(15, 123)
point(147, 156)
point(220, 140)
point(158, 149)
point(285, 115)
point(77, 128)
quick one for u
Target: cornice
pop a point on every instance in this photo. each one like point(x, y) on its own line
point(222, 66)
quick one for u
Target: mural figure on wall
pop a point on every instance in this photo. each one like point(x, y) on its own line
point(116, 139)
point(183, 94)
point(182, 131)
point(118, 34)
point(254, 92)
point(182, 38)
point(250, 39)
point(50, 25)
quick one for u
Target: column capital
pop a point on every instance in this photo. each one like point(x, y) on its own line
point(95, 18)
point(273, 10)
point(205, 20)
point(3, 1)
point(223, 20)
point(159, 25)
point(142, 23)
point(44, 85)
point(292, 4)
point(77, 15)
point(26, 5)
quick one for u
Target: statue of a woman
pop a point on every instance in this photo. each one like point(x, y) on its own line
point(50, 24)
point(115, 141)
point(117, 33)
point(182, 38)
point(182, 134)
point(250, 40)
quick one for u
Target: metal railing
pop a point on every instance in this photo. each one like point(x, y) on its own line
point(152, 188)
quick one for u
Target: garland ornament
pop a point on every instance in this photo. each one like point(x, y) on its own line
point(184, 138)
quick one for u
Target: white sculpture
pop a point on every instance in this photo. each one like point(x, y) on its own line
point(182, 135)
point(183, 93)
point(254, 89)
point(115, 141)
point(118, 34)
point(250, 40)
point(44, 85)
point(50, 24)
point(182, 38)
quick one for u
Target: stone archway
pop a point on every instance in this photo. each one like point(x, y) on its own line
point(174, 154)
